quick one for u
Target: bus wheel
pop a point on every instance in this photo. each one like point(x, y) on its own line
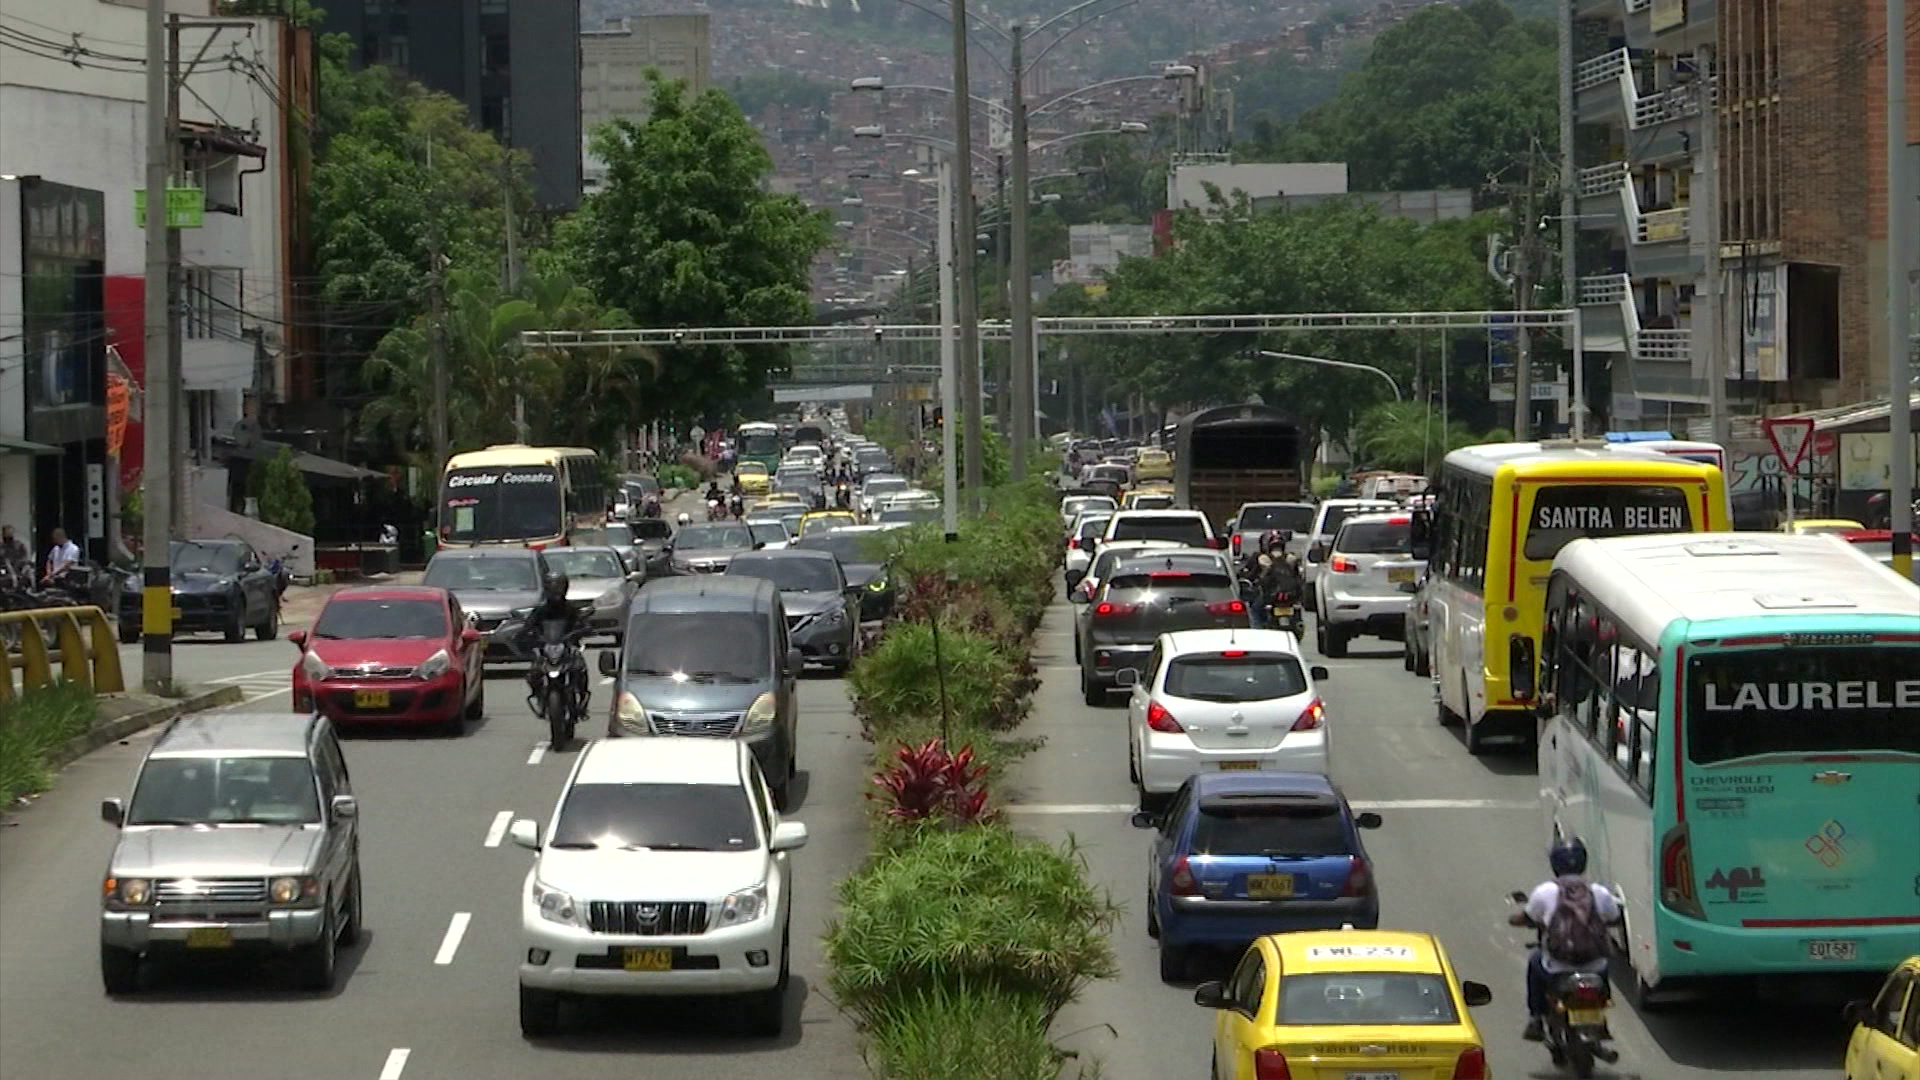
point(1448, 718)
point(1476, 741)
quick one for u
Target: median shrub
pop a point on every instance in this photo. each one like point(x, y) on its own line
point(961, 1030)
point(929, 782)
point(898, 681)
point(34, 728)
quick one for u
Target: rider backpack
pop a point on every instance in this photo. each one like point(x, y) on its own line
point(1575, 933)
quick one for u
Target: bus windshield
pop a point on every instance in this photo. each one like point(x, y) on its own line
point(1563, 513)
point(759, 443)
point(1803, 700)
point(515, 502)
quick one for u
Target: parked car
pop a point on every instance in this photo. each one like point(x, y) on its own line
point(1148, 595)
point(1369, 579)
point(1223, 701)
point(220, 585)
point(1241, 854)
point(601, 583)
point(706, 547)
point(663, 871)
point(1327, 519)
point(492, 585)
point(862, 552)
point(283, 880)
point(1081, 536)
point(392, 654)
point(823, 610)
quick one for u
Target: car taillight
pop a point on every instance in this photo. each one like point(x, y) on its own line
point(1311, 717)
point(1181, 881)
point(1343, 565)
point(1073, 544)
point(1236, 543)
point(1472, 1065)
point(1109, 609)
point(1159, 719)
point(1270, 1065)
point(1359, 877)
point(1676, 872)
point(1587, 995)
point(1227, 607)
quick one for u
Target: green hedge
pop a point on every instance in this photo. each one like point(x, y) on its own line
point(32, 729)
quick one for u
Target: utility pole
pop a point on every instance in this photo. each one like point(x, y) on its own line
point(1570, 226)
point(949, 363)
point(1020, 288)
point(510, 274)
point(1901, 192)
point(1706, 217)
point(1523, 303)
point(179, 506)
point(156, 584)
point(437, 347)
point(963, 271)
point(1002, 227)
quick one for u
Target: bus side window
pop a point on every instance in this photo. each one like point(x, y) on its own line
point(1580, 640)
point(1645, 724)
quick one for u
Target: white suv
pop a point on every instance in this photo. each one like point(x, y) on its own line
point(1369, 582)
point(664, 872)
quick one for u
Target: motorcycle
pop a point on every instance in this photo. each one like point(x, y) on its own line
point(1283, 613)
point(651, 507)
point(1576, 1030)
point(716, 510)
point(559, 683)
point(736, 507)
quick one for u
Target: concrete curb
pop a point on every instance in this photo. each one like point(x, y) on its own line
point(111, 731)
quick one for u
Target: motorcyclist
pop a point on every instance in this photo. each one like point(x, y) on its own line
point(736, 488)
point(553, 608)
point(682, 519)
point(1572, 915)
point(843, 496)
point(736, 504)
point(1281, 575)
point(713, 492)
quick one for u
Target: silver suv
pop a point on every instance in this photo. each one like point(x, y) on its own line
point(1369, 578)
point(242, 833)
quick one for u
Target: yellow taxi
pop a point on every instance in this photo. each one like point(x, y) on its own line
point(1354, 1004)
point(1153, 465)
point(1148, 497)
point(1886, 1031)
point(1823, 527)
point(754, 479)
point(820, 521)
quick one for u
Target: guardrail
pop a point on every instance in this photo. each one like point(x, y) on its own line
point(92, 660)
point(1668, 344)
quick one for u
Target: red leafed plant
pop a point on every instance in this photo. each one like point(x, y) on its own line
point(929, 781)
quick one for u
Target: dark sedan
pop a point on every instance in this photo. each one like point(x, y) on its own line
point(218, 585)
point(1146, 596)
point(823, 610)
point(862, 551)
point(492, 584)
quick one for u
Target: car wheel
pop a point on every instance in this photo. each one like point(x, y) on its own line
point(1476, 739)
point(1153, 918)
point(269, 628)
point(317, 964)
point(236, 630)
point(1090, 693)
point(1406, 654)
point(129, 630)
point(766, 1011)
point(356, 913)
point(1447, 717)
point(1133, 767)
point(1334, 642)
point(1173, 963)
point(1422, 663)
point(478, 706)
point(119, 970)
point(539, 1012)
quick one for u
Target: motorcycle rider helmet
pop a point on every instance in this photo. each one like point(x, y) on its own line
point(683, 518)
point(1567, 857)
point(1269, 541)
point(553, 584)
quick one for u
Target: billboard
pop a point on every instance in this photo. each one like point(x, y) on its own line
point(64, 244)
point(1502, 351)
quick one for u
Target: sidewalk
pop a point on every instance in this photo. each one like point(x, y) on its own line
point(302, 603)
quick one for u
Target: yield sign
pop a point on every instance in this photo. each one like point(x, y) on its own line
point(1790, 436)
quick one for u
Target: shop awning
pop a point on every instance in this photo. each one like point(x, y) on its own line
point(312, 464)
point(22, 446)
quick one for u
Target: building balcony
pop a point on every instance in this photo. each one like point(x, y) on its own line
point(1673, 346)
point(1599, 191)
point(1608, 320)
point(1668, 25)
point(1660, 126)
point(1662, 244)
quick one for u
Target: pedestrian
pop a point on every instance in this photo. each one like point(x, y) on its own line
point(13, 550)
point(61, 553)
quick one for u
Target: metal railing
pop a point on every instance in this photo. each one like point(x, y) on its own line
point(1666, 345)
point(1592, 72)
point(1605, 288)
point(1662, 226)
point(35, 640)
point(1674, 104)
point(1602, 179)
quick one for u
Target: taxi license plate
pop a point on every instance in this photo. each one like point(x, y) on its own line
point(370, 699)
point(1586, 1017)
point(1832, 950)
point(1269, 886)
point(647, 959)
point(1239, 766)
point(1283, 612)
point(1373, 1076)
point(1400, 574)
point(178, 614)
point(209, 937)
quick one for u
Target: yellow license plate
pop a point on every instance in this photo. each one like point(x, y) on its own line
point(1239, 766)
point(1283, 612)
point(647, 959)
point(1586, 1016)
point(370, 699)
point(209, 937)
point(1400, 574)
point(177, 613)
point(1269, 886)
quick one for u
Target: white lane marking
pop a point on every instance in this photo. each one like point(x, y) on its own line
point(450, 944)
point(263, 695)
point(396, 1063)
point(1060, 809)
point(539, 751)
point(498, 830)
point(256, 676)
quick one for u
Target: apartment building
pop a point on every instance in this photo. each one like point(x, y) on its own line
point(613, 71)
point(1796, 89)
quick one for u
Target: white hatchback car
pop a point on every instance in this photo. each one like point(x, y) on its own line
point(1081, 536)
point(664, 872)
point(1223, 700)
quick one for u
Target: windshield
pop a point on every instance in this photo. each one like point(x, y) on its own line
point(608, 535)
point(1174, 583)
point(669, 817)
point(520, 502)
point(912, 515)
point(1299, 831)
point(193, 557)
point(791, 575)
point(585, 564)
point(760, 444)
point(1081, 504)
point(768, 532)
point(225, 791)
point(1152, 502)
point(1261, 518)
point(1236, 678)
point(356, 619)
point(1803, 700)
point(750, 468)
point(823, 523)
point(1368, 998)
point(497, 574)
point(1186, 530)
point(651, 529)
point(1103, 563)
point(1375, 538)
point(848, 547)
point(1093, 526)
point(877, 484)
point(1337, 514)
point(708, 537)
point(1564, 513)
point(723, 645)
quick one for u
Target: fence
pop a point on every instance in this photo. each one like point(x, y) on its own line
point(92, 660)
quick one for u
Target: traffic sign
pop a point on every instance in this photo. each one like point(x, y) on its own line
point(1790, 436)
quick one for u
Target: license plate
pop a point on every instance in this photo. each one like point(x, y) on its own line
point(1586, 1017)
point(209, 937)
point(1269, 886)
point(1832, 950)
point(1239, 766)
point(1373, 1076)
point(647, 959)
point(1400, 574)
point(1283, 612)
point(177, 614)
point(370, 699)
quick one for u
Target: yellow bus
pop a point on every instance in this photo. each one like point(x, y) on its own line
point(1500, 513)
point(520, 496)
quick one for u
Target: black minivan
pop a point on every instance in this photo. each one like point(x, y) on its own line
point(708, 657)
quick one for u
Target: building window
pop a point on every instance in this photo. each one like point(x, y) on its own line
point(210, 297)
point(495, 55)
point(493, 7)
point(496, 116)
point(398, 54)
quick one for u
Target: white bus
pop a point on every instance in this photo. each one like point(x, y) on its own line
point(521, 496)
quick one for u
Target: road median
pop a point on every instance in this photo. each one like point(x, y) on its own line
point(50, 727)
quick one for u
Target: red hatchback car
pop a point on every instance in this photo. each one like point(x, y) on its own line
point(391, 655)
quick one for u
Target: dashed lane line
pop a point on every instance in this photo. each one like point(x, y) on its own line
point(396, 1065)
point(450, 944)
point(498, 830)
point(539, 752)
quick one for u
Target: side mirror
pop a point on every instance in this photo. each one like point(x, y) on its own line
point(1126, 677)
point(788, 836)
point(609, 662)
point(1319, 673)
point(1368, 820)
point(638, 577)
point(1475, 994)
point(1317, 553)
point(1420, 534)
point(1520, 667)
point(298, 638)
point(1078, 595)
point(526, 833)
point(1854, 1012)
point(796, 661)
point(1517, 896)
point(1144, 819)
point(1210, 995)
point(344, 807)
point(113, 812)
point(470, 636)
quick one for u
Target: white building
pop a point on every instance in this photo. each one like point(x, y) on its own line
point(613, 71)
point(1187, 185)
point(1095, 249)
point(73, 118)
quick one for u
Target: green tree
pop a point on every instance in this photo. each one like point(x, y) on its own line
point(281, 490)
point(685, 234)
point(1408, 436)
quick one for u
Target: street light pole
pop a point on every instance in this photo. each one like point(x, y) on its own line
point(1900, 251)
point(156, 588)
point(1019, 288)
point(963, 271)
point(1348, 364)
point(949, 363)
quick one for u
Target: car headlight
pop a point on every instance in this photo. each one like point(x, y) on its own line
point(743, 906)
point(630, 715)
point(610, 598)
point(134, 891)
point(555, 906)
point(433, 666)
point(878, 584)
point(314, 667)
point(836, 617)
point(761, 713)
point(292, 890)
